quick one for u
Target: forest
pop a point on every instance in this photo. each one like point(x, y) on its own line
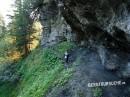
point(56, 48)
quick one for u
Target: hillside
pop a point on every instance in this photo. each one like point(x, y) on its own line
point(34, 76)
point(66, 48)
point(44, 74)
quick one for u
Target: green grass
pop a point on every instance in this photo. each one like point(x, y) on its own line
point(42, 70)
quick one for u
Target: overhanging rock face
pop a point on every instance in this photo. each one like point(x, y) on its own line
point(90, 18)
point(111, 16)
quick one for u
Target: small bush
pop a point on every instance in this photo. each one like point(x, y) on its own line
point(97, 92)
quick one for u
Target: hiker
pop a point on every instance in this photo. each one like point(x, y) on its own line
point(66, 58)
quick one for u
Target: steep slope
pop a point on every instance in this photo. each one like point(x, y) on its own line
point(89, 69)
point(34, 76)
point(100, 27)
point(42, 73)
point(43, 70)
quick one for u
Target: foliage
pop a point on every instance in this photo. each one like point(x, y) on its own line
point(6, 90)
point(19, 26)
point(23, 28)
point(42, 70)
point(97, 92)
point(2, 26)
point(61, 48)
point(5, 46)
point(34, 37)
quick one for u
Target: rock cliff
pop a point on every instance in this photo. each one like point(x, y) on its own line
point(86, 20)
point(102, 25)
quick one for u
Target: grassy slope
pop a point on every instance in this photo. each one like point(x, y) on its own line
point(41, 70)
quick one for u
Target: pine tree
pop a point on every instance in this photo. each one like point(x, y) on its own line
point(22, 26)
point(21, 23)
